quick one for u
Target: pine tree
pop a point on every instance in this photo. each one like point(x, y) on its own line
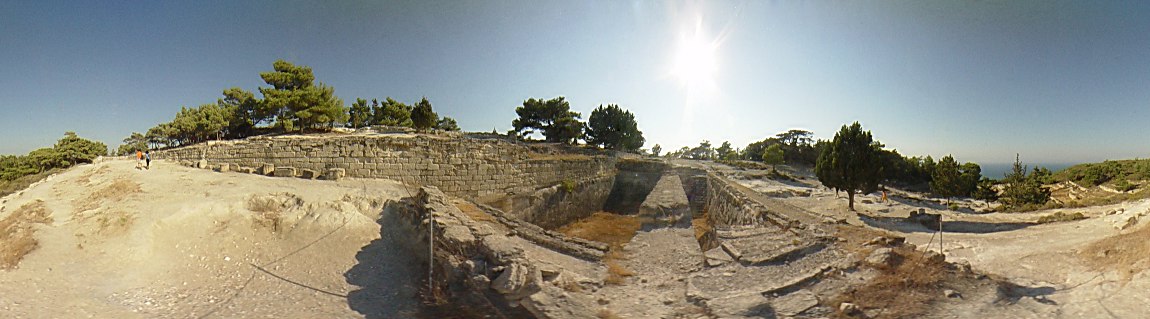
point(851, 162)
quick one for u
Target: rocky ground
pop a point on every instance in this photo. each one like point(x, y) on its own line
point(1075, 269)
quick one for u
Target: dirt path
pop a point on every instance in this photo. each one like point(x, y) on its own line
point(176, 242)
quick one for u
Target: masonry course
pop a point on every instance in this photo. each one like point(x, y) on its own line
point(464, 167)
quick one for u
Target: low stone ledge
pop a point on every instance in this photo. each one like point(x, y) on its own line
point(285, 172)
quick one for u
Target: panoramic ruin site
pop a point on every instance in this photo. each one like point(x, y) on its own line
point(404, 225)
point(637, 159)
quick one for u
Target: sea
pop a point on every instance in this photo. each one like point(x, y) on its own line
point(999, 170)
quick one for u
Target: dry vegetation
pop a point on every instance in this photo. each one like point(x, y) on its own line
point(117, 191)
point(17, 230)
point(903, 290)
point(607, 314)
point(615, 231)
point(704, 232)
point(1127, 253)
point(269, 208)
point(473, 212)
point(1060, 217)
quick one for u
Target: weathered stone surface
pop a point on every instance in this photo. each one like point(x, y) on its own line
point(795, 303)
point(224, 168)
point(308, 174)
point(335, 174)
point(518, 281)
point(285, 172)
point(266, 169)
point(667, 205)
point(245, 170)
point(202, 164)
point(490, 166)
point(717, 257)
point(554, 303)
point(884, 257)
point(745, 305)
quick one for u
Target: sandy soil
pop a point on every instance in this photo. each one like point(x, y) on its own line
point(176, 242)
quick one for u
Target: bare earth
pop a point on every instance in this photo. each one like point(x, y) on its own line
point(176, 242)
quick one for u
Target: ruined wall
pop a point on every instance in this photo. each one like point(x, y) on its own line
point(727, 204)
point(635, 180)
point(458, 166)
point(558, 205)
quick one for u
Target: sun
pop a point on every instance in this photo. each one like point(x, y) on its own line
point(695, 63)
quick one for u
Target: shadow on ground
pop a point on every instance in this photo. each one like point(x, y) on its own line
point(388, 272)
point(1011, 293)
point(909, 226)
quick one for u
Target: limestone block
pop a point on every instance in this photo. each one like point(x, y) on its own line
point(285, 171)
point(308, 174)
point(245, 170)
point(202, 164)
point(225, 167)
point(335, 174)
point(266, 169)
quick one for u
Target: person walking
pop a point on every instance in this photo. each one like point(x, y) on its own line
point(139, 158)
point(148, 160)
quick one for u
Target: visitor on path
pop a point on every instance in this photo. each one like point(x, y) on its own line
point(139, 157)
point(148, 159)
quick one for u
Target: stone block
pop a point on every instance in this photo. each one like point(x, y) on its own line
point(285, 171)
point(245, 170)
point(225, 167)
point(335, 174)
point(202, 164)
point(308, 174)
point(266, 169)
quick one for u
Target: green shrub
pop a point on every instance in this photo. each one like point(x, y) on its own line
point(1061, 217)
point(1124, 186)
point(567, 185)
point(953, 206)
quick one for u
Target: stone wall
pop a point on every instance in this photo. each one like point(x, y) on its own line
point(635, 180)
point(729, 204)
point(458, 166)
point(558, 205)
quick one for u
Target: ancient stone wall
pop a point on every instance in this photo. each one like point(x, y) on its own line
point(635, 180)
point(459, 166)
point(558, 205)
point(727, 204)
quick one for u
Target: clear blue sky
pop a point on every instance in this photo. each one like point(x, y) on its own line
point(1055, 81)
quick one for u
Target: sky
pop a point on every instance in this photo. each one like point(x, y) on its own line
point(1053, 81)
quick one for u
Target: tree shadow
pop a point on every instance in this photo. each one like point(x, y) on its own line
point(388, 271)
point(1011, 293)
point(910, 226)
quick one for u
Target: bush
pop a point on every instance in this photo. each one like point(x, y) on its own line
point(567, 185)
point(1124, 186)
point(1061, 217)
point(953, 206)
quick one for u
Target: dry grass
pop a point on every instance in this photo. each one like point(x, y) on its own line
point(473, 212)
point(904, 290)
point(611, 229)
point(614, 230)
point(704, 232)
point(269, 209)
point(17, 230)
point(1127, 253)
point(607, 314)
point(117, 191)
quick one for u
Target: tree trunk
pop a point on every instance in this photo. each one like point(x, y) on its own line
point(851, 199)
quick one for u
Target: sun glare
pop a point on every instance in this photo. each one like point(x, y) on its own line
point(695, 62)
